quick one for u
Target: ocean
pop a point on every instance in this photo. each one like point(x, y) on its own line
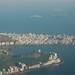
point(46, 25)
point(52, 17)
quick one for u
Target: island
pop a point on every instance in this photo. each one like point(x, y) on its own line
point(11, 64)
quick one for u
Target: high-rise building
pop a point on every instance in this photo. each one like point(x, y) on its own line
point(50, 58)
point(8, 71)
point(22, 65)
point(0, 72)
point(3, 72)
point(15, 69)
point(55, 56)
point(11, 69)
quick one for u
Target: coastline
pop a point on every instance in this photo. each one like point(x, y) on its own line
point(23, 72)
point(52, 59)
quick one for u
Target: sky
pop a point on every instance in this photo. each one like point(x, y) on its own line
point(19, 4)
point(29, 6)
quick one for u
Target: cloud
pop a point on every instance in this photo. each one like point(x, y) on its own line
point(56, 10)
point(36, 16)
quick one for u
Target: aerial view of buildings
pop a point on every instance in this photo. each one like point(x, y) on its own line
point(53, 59)
point(35, 39)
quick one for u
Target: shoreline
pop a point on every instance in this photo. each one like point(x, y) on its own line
point(20, 72)
point(29, 70)
point(52, 61)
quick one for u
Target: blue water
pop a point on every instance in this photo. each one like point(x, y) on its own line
point(46, 25)
point(15, 17)
point(67, 53)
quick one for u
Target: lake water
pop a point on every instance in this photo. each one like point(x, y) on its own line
point(67, 53)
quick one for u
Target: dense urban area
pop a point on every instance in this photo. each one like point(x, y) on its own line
point(35, 39)
point(12, 64)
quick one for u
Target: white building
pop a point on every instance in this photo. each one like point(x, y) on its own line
point(39, 50)
point(49, 62)
point(22, 65)
point(50, 58)
point(15, 68)
point(0, 72)
point(3, 71)
point(11, 69)
point(11, 43)
point(34, 66)
point(3, 43)
point(54, 56)
point(57, 60)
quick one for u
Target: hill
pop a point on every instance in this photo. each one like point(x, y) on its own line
point(4, 38)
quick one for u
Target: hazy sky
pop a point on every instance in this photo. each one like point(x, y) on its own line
point(19, 4)
point(15, 6)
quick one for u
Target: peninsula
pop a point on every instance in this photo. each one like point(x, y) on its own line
point(11, 64)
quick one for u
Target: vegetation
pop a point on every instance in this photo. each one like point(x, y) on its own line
point(6, 61)
point(29, 59)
